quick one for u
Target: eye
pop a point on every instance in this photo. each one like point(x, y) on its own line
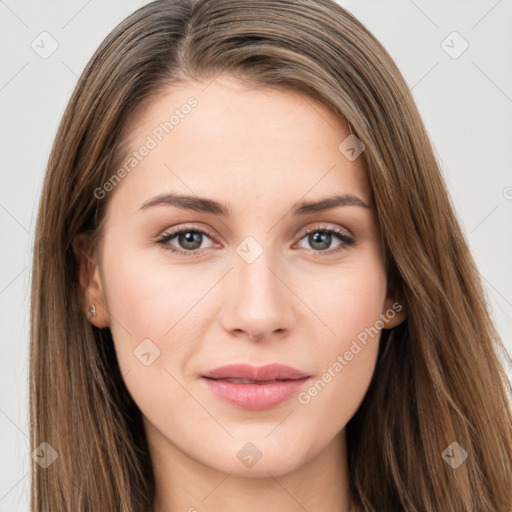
point(189, 240)
point(320, 239)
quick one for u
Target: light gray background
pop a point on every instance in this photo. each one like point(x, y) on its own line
point(466, 103)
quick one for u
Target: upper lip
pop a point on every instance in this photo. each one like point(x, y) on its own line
point(267, 372)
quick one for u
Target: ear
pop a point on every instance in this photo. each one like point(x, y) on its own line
point(91, 287)
point(394, 312)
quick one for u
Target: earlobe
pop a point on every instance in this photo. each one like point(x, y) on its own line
point(91, 287)
point(95, 299)
point(394, 313)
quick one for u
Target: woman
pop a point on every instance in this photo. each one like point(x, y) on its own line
point(250, 289)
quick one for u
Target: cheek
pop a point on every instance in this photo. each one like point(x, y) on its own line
point(347, 353)
point(151, 327)
point(351, 301)
point(142, 305)
point(146, 295)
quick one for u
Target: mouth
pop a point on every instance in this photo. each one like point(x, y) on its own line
point(266, 373)
point(255, 388)
point(246, 381)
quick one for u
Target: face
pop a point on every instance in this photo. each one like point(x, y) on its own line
point(246, 270)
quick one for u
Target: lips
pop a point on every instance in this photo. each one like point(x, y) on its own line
point(255, 388)
point(255, 374)
point(247, 381)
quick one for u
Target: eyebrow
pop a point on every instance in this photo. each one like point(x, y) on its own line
point(204, 205)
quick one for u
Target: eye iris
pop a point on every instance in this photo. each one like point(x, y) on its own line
point(188, 238)
point(320, 237)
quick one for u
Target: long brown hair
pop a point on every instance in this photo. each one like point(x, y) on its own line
point(438, 380)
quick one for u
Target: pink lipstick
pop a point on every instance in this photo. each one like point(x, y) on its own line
point(255, 388)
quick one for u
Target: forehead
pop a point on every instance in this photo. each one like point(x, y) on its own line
point(228, 140)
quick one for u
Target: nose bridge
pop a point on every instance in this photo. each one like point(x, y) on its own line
point(257, 285)
point(257, 302)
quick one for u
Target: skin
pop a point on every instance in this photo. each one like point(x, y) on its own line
point(259, 151)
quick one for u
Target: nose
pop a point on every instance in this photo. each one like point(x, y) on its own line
point(257, 302)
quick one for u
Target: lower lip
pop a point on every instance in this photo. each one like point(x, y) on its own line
point(255, 397)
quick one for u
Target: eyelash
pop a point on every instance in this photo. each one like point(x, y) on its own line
point(346, 241)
